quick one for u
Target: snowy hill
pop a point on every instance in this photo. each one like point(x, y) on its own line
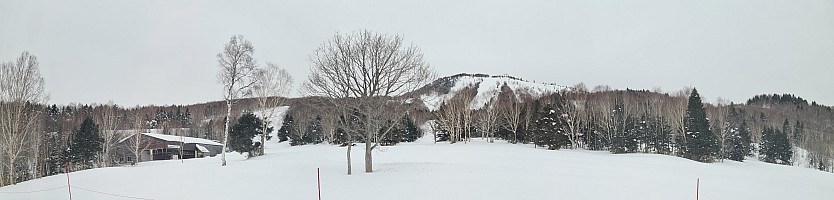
point(434, 94)
point(424, 170)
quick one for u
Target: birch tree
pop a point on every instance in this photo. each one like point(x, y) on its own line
point(372, 68)
point(237, 65)
point(488, 119)
point(109, 124)
point(270, 89)
point(136, 144)
point(21, 90)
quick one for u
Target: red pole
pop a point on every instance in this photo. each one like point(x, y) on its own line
point(318, 172)
point(69, 188)
point(697, 187)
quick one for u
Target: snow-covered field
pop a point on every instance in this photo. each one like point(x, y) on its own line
point(423, 170)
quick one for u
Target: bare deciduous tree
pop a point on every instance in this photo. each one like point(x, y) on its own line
point(488, 119)
point(109, 124)
point(237, 65)
point(370, 67)
point(136, 144)
point(21, 90)
point(576, 113)
point(270, 89)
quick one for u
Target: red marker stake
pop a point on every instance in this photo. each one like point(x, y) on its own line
point(697, 187)
point(69, 188)
point(318, 171)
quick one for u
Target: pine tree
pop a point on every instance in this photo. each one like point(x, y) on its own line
point(287, 127)
point(314, 134)
point(797, 132)
point(775, 147)
point(240, 137)
point(737, 145)
point(85, 145)
point(548, 129)
point(699, 143)
point(410, 132)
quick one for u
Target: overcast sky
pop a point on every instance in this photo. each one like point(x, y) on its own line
point(163, 52)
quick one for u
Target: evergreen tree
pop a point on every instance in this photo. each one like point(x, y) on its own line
point(287, 127)
point(548, 129)
point(85, 145)
point(240, 137)
point(699, 143)
point(775, 147)
point(404, 131)
point(314, 134)
point(409, 130)
point(786, 127)
point(737, 145)
point(797, 132)
point(624, 139)
point(592, 136)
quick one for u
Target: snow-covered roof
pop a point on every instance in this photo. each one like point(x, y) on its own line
point(202, 149)
point(188, 140)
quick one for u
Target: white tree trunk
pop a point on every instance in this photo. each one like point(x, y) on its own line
point(226, 133)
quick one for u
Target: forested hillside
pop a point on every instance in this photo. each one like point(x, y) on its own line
point(467, 106)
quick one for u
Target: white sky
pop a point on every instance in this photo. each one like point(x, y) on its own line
point(163, 52)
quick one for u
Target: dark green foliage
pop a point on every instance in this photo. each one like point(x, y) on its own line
point(247, 127)
point(737, 143)
point(404, 131)
point(698, 142)
point(549, 128)
point(314, 133)
point(775, 147)
point(624, 138)
point(763, 99)
point(798, 128)
point(349, 127)
point(85, 145)
point(655, 135)
point(287, 127)
point(592, 136)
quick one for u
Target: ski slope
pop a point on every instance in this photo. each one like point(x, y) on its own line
point(487, 87)
point(424, 170)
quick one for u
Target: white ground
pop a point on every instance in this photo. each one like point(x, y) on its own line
point(424, 170)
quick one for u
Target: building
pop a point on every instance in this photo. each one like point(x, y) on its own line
point(155, 146)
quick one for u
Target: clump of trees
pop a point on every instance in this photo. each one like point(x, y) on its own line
point(240, 137)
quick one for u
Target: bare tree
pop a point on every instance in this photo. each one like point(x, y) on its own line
point(237, 65)
point(488, 119)
point(576, 113)
point(271, 86)
point(372, 68)
point(136, 143)
point(109, 124)
point(455, 114)
point(512, 113)
point(21, 90)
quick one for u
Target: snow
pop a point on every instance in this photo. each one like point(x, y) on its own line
point(188, 140)
point(488, 87)
point(423, 170)
point(202, 148)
